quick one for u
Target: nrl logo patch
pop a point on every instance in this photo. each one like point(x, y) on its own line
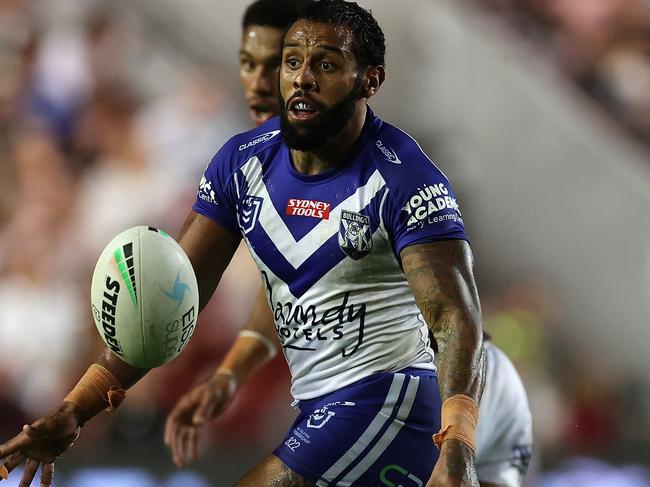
point(355, 238)
point(249, 212)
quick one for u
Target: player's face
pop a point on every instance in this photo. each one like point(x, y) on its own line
point(259, 61)
point(320, 83)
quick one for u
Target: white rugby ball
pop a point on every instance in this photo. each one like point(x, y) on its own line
point(145, 298)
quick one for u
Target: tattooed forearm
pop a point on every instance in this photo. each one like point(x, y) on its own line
point(440, 275)
point(292, 479)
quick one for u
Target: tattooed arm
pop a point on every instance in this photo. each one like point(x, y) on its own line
point(441, 278)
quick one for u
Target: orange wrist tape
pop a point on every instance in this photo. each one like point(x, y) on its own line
point(98, 389)
point(459, 420)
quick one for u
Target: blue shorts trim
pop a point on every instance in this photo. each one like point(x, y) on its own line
point(376, 431)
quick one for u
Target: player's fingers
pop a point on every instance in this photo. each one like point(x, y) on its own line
point(17, 443)
point(183, 443)
point(47, 472)
point(177, 446)
point(191, 445)
point(31, 466)
point(195, 445)
point(13, 461)
point(205, 409)
point(171, 428)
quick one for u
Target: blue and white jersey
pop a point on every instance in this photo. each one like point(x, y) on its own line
point(328, 247)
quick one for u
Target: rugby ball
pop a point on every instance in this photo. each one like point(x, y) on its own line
point(145, 298)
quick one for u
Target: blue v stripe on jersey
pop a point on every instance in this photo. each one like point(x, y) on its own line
point(300, 279)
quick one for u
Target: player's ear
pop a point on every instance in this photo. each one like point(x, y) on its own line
point(375, 76)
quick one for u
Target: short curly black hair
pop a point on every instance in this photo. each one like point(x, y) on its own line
point(273, 13)
point(369, 42)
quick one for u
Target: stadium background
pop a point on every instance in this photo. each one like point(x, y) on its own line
point(538, 110)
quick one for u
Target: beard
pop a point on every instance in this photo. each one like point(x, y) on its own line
point(329, 122)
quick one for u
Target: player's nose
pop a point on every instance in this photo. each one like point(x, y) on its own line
point(263, 81)
point(305, 78)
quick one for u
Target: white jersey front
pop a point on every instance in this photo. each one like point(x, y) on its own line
point(504, 436)
point(327, 247)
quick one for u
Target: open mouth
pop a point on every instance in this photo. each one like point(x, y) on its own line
point(302, 109)
point(261, 112)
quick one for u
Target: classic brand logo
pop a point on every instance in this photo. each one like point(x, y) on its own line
point(250, 211)
point(355, 238)
point(388, 152)
point(259, 139)
point(312, 208)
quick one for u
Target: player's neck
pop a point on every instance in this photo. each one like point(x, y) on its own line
point(335, 151)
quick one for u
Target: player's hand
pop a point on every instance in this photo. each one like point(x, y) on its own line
point(455, 467)
point(197, 407)
point(40, 443)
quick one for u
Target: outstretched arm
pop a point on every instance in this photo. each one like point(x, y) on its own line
point(209, 248)
point(441, 278)
point(255, 346)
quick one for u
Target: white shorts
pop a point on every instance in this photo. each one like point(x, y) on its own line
point(504, 435)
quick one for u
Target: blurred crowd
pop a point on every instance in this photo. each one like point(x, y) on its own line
point(102, 129)
point(603, 45)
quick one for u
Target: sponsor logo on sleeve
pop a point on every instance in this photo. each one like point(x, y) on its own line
point(206, 192)
point(430, 205)
point(311, 208)
point(355, 238)
point(388, 152)
point(259, 139)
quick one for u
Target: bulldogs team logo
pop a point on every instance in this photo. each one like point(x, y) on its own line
point(249, 212)
point(355, 238)
point(321, 416)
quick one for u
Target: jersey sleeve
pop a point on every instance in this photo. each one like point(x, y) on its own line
point(216, 197)
point(422, 207)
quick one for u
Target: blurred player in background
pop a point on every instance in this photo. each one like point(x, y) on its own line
point(373, 268)
point(260, 54)
point(504, 434)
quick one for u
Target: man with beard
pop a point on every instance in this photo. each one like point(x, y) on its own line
point(352, 319)
point(504, 432)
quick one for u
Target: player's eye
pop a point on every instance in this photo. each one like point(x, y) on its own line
point(293, 63)
point(327, 66)
point(246, 65)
